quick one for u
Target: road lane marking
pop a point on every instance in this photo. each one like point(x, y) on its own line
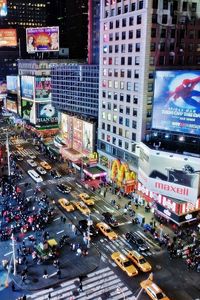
point(56, 219)
point(59, 232)
point(6, 254)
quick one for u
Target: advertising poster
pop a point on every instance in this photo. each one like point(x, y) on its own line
point(3, 8)
point(66, 126)
point(12, 84)
point(88, 137)
point(28, 111)
point(177, 101)
point(8, 38)
point(43, 88)
point(46, 114)
point(42, 39)
point(170, 175)
point(11, 106)
point(3, 87)
point(77, 134)
point(27, 87)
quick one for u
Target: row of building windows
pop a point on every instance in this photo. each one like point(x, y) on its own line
point(112, 117)
point(128, 123)
point(176, 5)
point(129, 98)
point(124, 35)
point(172, 33)
point(121, 48)
point(121, 61)
point(111, 11)
point(117, 141)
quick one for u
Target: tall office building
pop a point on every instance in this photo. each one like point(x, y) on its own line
point(20, 15)
point(136, 38)
point(93, 31)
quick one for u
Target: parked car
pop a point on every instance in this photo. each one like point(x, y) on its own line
point(109, 219)
point(63, 188)
point(83, 227)
point(134, 239)
point(41, 170)
point(31, 162)
point(55, 174)
point(18, 157)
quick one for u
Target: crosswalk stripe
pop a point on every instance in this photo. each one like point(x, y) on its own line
point(95, 284)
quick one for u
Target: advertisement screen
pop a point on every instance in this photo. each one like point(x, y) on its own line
point(169, 175)
point(43, 39)
point(12, 83)
point(3, 8)
point(28, 111)
point(88, 137)
point(3, 87)
point(27, 87)
point(11, 105)
point(43, 88)
point(46, 114)
point(8, 38)
point(77, 134)
point(177, 101)
point(66, 126)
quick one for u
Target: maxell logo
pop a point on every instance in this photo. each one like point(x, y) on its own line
point(177, 190)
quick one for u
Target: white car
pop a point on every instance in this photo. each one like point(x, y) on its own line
point(35, 176)
point(41, 170)
point(32, 156)
point(31, 162)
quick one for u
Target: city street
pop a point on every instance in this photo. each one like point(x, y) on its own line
point(102, 278)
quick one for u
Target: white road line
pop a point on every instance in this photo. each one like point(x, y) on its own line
point(59, 232)
point(6, 254)
point(56, 219)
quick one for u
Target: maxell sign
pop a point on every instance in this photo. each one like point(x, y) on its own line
point(174, 176)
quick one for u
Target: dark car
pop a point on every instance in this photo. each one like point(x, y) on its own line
point(109, 219)
point(63, 188)
point(18, 157)
point(83, 227)
point(134, 239)
point(55, 174)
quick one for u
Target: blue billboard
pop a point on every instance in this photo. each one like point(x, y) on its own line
point(12, 84)
point(177, 101)
point(27, 87)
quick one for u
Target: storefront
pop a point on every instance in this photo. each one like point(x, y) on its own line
point(95, 173)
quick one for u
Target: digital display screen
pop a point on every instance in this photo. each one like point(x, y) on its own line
point(8, 38)
point(177, 101)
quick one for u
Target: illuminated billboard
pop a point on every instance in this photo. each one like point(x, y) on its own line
point(88, 137)
point(169, 175)
point(3, 8)
point(46, 114)
point(3, 87)
point(42, 39)
point(11, 105)
point(42, 88)
point(8, 38)
point(27, 87)
point(66, 128)
point(28, 111)
point(177, 101)
point(77, 134)
point(12, 84)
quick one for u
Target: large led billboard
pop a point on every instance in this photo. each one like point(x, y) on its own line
point(42, 39)
point(3, 8)
point(46, 114)
point(88, 137)
point(170, 175)
point(177, 101)
point(28, 111)
point(27, 87)
point(12, 84)
point(3, 87)
point(42, 88)
point(11, 105)
point(77, 134)
point(8, 38)
point(66, 128)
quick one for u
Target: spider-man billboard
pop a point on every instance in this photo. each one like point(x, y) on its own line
point(177, 101)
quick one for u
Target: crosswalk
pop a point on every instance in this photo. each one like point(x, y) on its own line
point(27, 151)
point(18, 141)
point(95, 286)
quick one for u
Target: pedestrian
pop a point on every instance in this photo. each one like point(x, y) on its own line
point(78, 251)
point(80, 286)
point(49, 296)
point(45, 274)
point(59, 273)
point(13, 286)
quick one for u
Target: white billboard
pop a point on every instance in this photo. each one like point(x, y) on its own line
point(169, 174)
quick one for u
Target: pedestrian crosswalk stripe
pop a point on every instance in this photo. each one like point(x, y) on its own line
point(28, 151)
point(95, 285)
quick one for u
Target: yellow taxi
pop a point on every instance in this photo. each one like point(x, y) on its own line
point(19, 147)
point(124, 263)
point(82, 207)
point(107, 231)
point(153, 291)
point(139, 261)
point(45, 165)
point(87, 199)
point(66, 204)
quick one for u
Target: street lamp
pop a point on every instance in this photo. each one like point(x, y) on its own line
point(8, 153)
point(89, 223)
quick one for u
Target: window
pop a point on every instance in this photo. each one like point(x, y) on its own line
point(121, 120)
point(134, 124)
point(150, 87)
point(127, 134)
point(138, 33)
point(130, 48)
point(128, 98)
point(109, 117)
point(128, 111)
point(129, 73)
point(109, 97)
point(119, 10)
point(116, 36)
point(154, 18)
point(164, 19)
point(121, 98)
point(194, 7)
point(130, 34)
point(103, 136)
point(155, 4)
point(105, 49)
point(165, 4)
point(162, 46)
point(132, 6)
point(114, 141)
point(137, 60)
point(115, 107)
point(125, 9)
point(116, 48)
point(161, 60)
point(123, 22)
point(116, 84)
point(114, 118)
point(134, 112)
point(104, 72)
point(110, 37)
point(120, 143)
point(115, 96)
point(110, 83)
point(135, 100)
point(137, 47)
point(115, 73)
point(129, 86)
point(136, 86)
point(123, 48)
point(110, 61)
point(110, 49)
point(109, 72)
point(126, 145)
point(152, 61)
point(116, 61)
point(108, 127)
point(151, 75)
point(114, 129)
point(104, 94)
point(140, 6)
point(129, 61)
point(103, 125)
point(153, 32)
point(111, 25)
point(131, 21)
point(153, 47)
point(122, 73)
point(133, 136)
point(173, 33)
point(120, 131)
point(117, 24)
point(103, 105)
point(184, 7)
point(136, 74)
point(163, 33)
point(139, 19)
point(123, 35)
point(122, 85)
point(122, 61)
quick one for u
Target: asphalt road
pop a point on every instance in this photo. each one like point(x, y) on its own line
point(172, 275)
